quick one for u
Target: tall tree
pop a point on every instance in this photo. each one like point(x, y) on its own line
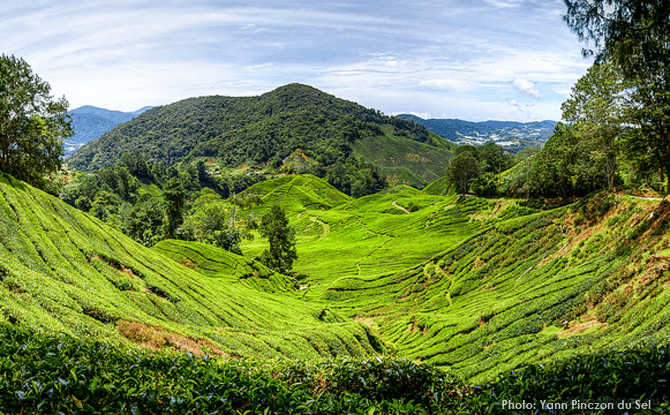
point(173, 202)
point(281, 254)
point(32, 123)
point(635, 34)
point(595, 111)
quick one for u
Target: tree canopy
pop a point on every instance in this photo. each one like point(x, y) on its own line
point(595, 110)
point(32, 123)
point(634, 34)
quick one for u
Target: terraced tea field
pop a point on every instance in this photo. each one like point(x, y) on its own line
point(479, 286)
point(64, 272)
point(474, 286)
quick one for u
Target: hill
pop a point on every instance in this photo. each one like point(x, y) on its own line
point(477, 287)
point(511, 135)
point(91, 122)
point(269, 130)
point(63, 272)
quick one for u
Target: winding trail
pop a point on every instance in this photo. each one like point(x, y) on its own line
point(324, 226)
point(400, 207)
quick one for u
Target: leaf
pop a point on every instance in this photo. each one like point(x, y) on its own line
point(78, 403)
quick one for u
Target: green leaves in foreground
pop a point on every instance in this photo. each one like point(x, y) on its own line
point(52, 376)
point(58, 376)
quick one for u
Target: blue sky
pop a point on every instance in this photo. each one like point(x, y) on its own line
point(474, 60)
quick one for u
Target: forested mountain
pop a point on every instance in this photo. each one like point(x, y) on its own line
point(91, 122)
point(265, 131)
point(512, 135)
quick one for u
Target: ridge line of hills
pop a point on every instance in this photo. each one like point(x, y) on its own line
point(266, 131)
point(513, 136)
point(91, 122)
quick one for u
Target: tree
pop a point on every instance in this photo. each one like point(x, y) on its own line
point(173, 202)
point(32, 124)
point(463, 169)
point(634, 34)
point(493, 158)
point(595, 111)
point(282, 252)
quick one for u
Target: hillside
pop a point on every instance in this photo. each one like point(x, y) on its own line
point(64, 272)
point(512, 136)
point(266, 130)
point(476, 287)
point(91, 122)
point(480, 286)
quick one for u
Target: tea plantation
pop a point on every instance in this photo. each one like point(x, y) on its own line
point(402, 302)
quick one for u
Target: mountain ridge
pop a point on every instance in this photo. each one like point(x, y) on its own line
point(265, 130)
point(90, 122)
point(511, 135)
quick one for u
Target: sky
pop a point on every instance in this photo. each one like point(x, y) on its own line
point(474, 60)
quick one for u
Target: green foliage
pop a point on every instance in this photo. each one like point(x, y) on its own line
point(564, 168)
point(595, 110)
point(610, 380)
point(356, 178)
point(218, 263)
point(173, 200)
point(45, 375)
point(477, 168)
point(635, 35)
point(32, 124)
point(63, 271)
point(281, 237)
point(463, 169)
point(52, 375)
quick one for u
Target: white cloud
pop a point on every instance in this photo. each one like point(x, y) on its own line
point(444, 57)
point(527, 88)
point(504, 4)
point(446, 84)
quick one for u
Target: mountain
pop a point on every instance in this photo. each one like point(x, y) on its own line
point(513, 136)
point(91, 122)
point(270, 129)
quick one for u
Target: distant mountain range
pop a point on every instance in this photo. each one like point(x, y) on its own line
point(91, 122)
point(513, 136)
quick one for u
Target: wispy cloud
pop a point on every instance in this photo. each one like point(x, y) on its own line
point(438, 57)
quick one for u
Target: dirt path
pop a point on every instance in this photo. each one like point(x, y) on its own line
point(324, 226)
point(400, 207)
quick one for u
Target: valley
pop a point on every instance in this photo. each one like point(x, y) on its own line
point(477, 287)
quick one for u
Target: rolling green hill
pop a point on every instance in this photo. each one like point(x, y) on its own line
point(268, 129)
point(62, 271)
point(481, 286)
